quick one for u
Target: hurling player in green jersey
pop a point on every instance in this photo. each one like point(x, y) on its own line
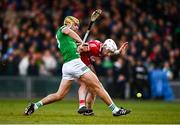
point(73, 68)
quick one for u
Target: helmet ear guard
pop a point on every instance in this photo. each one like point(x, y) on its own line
point(110, 45)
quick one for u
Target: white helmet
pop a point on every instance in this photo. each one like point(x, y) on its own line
point(110, 45)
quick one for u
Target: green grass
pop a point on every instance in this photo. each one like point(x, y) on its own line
point(66, 112)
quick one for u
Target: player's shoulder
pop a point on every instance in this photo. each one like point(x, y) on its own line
point(59, 31)
point(94, 43)
point(60, 28)
point(94, 47)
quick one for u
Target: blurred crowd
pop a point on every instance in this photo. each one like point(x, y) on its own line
point(151, 27)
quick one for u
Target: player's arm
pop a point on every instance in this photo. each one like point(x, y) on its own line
point(83, 48)
point(71, 33)
point(122, 49)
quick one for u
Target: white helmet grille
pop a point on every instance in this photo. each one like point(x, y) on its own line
point(110, 44)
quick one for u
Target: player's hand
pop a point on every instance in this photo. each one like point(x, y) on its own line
point(83, 48)
point(85, 44)
point(123, 48)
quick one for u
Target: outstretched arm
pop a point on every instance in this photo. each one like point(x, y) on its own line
point(122, 49)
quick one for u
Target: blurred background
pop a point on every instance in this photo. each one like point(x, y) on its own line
point(31, 63)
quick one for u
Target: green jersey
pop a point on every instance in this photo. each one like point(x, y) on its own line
point(67, 46)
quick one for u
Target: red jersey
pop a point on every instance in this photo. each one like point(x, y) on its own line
point(94, 50)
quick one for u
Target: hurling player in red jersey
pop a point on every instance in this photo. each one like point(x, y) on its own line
point(89, 51)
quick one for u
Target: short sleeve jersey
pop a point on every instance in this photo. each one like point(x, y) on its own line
point(94, 50)
point(67, 46)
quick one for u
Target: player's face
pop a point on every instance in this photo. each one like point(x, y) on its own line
point(106, 52)
point(75, 27)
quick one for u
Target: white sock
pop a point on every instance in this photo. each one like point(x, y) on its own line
point(38, 105)
point(113, 108)
point(35, 107)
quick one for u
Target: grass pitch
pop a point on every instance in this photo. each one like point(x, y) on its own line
point(65, 112)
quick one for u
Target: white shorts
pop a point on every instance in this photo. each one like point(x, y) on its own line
point(74, 69)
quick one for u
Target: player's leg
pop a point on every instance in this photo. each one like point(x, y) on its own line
point(91, 93)
point(90, 99)
point(64, 88)
point(85, 101)
point(82, 92)
point(92, 82)
point(82, 95)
